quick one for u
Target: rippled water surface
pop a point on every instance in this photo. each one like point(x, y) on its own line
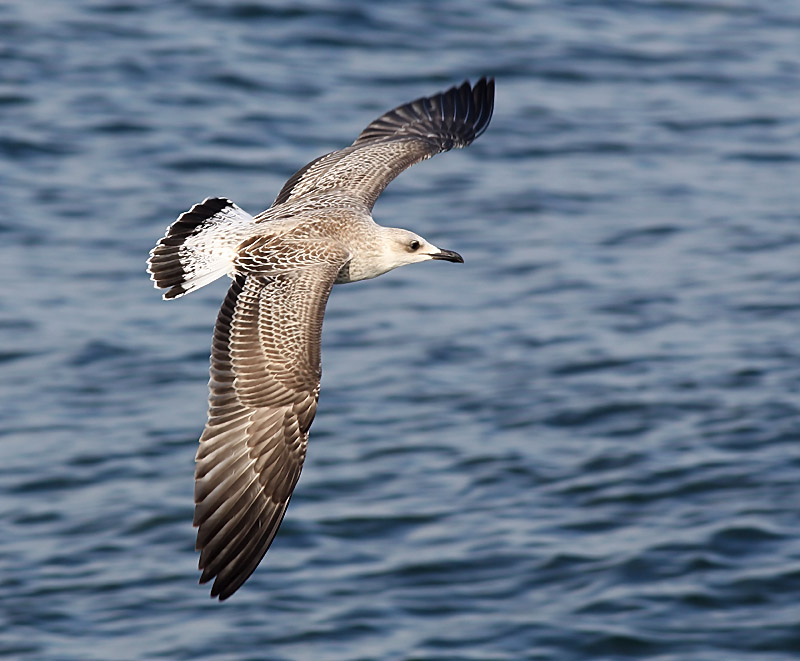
point(584, 443)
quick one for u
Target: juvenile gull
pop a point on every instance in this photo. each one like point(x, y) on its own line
point(265, 356)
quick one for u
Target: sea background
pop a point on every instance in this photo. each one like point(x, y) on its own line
point(583, 443)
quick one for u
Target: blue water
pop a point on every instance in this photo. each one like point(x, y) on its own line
point(584, 443)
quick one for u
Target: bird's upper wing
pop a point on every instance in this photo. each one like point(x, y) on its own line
point(395, 141)
point(265, 372)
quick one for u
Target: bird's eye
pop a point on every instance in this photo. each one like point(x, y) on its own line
point(414, 245)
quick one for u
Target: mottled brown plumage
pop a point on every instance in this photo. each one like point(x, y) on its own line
point(265, 359)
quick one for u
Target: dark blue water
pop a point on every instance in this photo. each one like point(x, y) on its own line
point(582, 444)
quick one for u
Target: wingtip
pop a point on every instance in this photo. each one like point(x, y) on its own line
point(217, 592)
point(480, 100)
point(483, 94)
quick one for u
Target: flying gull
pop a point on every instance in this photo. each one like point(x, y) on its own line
point(265, 356)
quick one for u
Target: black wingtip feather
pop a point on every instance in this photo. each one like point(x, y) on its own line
point(453, 118)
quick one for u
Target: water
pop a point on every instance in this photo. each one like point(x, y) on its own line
point(582, 444)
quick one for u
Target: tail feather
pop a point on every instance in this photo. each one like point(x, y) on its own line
point(199, 246)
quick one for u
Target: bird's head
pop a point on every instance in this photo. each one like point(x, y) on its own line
point(403, 247)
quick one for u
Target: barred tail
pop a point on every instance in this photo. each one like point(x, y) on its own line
point(199, 246)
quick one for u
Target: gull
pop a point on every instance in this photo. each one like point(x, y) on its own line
point(265, 357)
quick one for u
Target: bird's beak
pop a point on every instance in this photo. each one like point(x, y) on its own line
point(448, 256)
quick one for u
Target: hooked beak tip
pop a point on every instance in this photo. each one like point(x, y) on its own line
point(448, 256)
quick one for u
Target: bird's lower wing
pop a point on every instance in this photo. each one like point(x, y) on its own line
point(264, 385)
